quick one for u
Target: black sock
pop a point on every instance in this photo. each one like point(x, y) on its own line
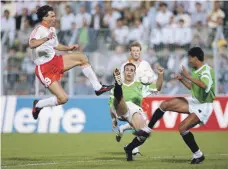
point(156, 116)
point(118, 93)
point(190, 141)
point(135, 143)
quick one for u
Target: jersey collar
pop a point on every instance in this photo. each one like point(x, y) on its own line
point(196, 71)
point(129, 84)
point(44, 25)
point(131, 60)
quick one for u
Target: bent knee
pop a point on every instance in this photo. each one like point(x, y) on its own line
point(84, 59)
point(62, 99)
point(165, 105)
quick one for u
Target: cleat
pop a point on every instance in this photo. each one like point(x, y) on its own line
point(119, 134)
point(129, 155)
point(117, 76)
point(118, 138)
point(104, 88)
point(35, 110)
point(198, 160)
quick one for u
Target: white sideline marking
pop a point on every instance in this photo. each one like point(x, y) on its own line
point(95, 161)
point(29, 164)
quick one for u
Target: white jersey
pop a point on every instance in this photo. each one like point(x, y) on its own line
point(143, 66)
point(46, 51)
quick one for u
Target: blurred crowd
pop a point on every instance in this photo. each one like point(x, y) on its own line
point(104, 29)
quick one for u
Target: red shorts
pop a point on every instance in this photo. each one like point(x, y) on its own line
point(50, 71)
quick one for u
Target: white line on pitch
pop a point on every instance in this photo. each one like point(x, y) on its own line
point(95, 161)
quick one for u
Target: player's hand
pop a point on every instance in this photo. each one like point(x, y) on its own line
point(114, 124)
point(185, 72)
point(178, 77)
point(160, 70)
point(153, 91)
point(73, 47)
point(51, 35)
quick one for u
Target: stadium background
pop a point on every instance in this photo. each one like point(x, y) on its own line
point(104, 30)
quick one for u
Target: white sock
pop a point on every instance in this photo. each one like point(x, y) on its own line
point(147, 129)
point(124, 127)
point(197, 154)
point(89, 73)
point(51, 101)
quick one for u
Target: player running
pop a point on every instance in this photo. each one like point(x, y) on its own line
point(50, 67)
point(127, 98)
point(198, 106)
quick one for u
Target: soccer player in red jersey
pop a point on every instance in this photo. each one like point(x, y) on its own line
point(50, 67)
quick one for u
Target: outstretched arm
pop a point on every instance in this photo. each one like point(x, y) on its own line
point(182, 80)
point(37, 42)
point(198, 82)
point(33, 43)
point(61, 47)
point(189, 77)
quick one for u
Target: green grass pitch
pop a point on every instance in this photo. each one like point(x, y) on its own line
point(163, 150)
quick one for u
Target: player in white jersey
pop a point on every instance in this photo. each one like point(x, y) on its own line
point(50, 67)
point(141, 67)
point(135, 58)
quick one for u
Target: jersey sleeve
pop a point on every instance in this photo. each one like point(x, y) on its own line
point(207, 80)
point(35, 34)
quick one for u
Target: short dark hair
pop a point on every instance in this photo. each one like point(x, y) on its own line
point(196, 52)
point(129, 64)
point(43, 11)
point(135, 43)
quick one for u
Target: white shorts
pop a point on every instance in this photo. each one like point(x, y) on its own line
point(132, 109)
point(202, 110)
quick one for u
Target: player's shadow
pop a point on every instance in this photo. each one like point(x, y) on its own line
point(109, 158)
point(114, 153)
point(171, 160)
point(114, 156)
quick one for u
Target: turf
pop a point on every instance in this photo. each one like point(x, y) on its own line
point(164, 150)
